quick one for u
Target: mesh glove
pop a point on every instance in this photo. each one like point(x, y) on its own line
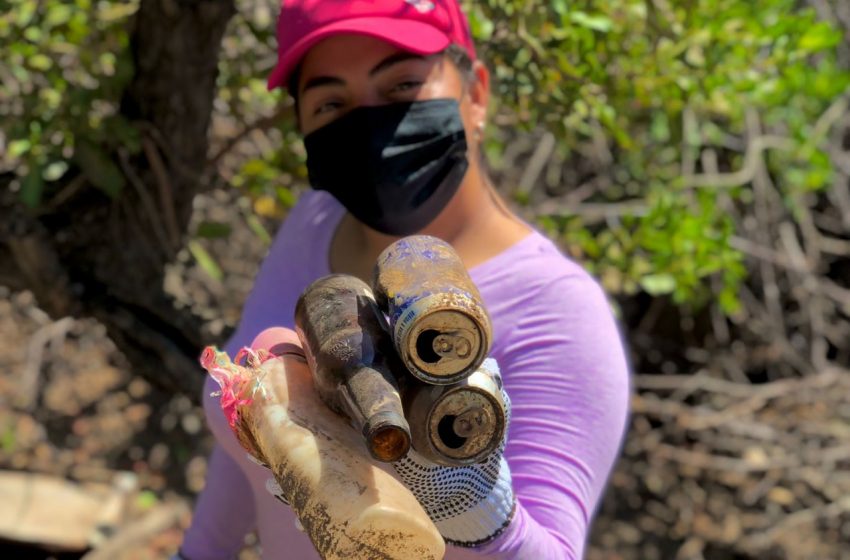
point(470, 505)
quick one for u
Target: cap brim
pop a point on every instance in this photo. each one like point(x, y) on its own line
point(413, 36)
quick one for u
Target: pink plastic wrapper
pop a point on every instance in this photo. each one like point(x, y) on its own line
point(238, 383)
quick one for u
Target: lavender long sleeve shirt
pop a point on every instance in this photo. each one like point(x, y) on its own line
point(563, 366)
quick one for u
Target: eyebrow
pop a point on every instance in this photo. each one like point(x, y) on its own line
point(393, 59)
point(320, 81)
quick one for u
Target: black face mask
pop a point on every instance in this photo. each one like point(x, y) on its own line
point(394, 167)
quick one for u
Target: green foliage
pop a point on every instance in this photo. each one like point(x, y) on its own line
point(655, 85)
point(64, 66)
point(662, 82)
point(8, 437)
point(248, 55)
point(205, 261)
point(212, 230)
point(146, 500)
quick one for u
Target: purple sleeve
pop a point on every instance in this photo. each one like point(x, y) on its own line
point(224, 512)
point(566, 374)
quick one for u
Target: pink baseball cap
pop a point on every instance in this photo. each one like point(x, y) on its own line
point(419, 26)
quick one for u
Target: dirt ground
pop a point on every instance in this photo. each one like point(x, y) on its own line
point(71, 407)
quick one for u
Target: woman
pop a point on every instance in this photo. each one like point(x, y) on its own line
point(392, 104)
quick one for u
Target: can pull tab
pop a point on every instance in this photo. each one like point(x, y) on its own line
point(452, 345)
point(471, 422)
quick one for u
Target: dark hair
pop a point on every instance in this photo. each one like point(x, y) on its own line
point(456, 54)
point(459, 56)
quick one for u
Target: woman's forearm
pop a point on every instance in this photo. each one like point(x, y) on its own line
point(224, 512)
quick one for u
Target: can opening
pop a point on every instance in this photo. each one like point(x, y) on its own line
point(425, 346)
point(449, 437)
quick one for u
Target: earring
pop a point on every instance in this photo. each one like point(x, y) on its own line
point(479, 132)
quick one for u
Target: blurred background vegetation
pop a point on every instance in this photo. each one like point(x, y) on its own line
point(693, 154)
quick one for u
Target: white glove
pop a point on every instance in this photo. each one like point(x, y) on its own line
point(470, 505)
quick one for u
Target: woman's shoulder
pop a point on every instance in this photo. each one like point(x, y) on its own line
point(533, 289)
point(532, 266)
point(545, 305)
point(313, 209)
point(307, 227)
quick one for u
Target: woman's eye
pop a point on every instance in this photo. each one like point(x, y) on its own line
point(327, 107)
point(406, 86)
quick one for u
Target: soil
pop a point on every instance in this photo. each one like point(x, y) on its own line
point(70, 406)
point(87, 417)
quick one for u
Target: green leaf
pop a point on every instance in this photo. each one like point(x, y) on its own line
point(146, 500)
point(729, 302)
point(285, 196)
point(258, 229)
point(58, 14)
point(255, 167)
point(40, 62)
point(8, 441)
point(595, 22)
point(99, 168)
point(205, 261)
point(522, 198)
point(25, 11)
point(33, 34)
point(658, 284)
point(116, 11)
point(55, 170)
point(213, 230)
point(480, 25)
point(560, 6)
point(52, 98)
point(17, 148)
point(660, 127)
point(32, 187)
point(819, 37)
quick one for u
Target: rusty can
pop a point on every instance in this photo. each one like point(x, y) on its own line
point(346, 343)
point(460, 424)
point(439, 324)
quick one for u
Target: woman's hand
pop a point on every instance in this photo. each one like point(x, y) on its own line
point(344, 501)
point(470, 505)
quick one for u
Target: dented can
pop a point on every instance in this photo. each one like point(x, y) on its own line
point(459, 424)
point(346, 344)
point(438, 322)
